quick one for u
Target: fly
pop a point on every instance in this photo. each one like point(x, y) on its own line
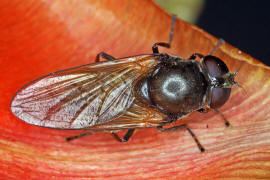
point(140, 91)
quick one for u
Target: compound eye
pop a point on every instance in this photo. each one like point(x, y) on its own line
point(215, 66)
point(219, 96)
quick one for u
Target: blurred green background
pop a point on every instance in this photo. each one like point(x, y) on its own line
point(188, 10)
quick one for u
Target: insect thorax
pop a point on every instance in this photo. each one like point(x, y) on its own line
point(175, 86)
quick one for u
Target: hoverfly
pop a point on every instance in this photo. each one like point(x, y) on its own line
point(141, 91)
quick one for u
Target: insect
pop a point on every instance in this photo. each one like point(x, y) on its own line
point(141, 91)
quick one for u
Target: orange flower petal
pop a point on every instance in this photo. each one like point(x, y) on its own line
point(39, 37)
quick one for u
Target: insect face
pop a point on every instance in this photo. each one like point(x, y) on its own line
point(220, 81)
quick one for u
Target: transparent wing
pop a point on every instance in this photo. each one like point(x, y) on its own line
point(138, 115)
point(84, 96)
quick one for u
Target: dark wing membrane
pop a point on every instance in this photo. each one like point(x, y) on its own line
point(84, 96)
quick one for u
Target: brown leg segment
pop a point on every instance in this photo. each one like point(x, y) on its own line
point(227, 123)
point(78, 136)
point(105, 56)
point(163, 44)
point(126, 137)
point(184, 126)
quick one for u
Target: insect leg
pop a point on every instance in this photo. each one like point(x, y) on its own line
point(202, 110)
point(105, 56)
point(227, 123)
point(193, 56)
point(126, 137)
point(163, 44)
point(184, 126)
point(220, 42)
point(78, 136)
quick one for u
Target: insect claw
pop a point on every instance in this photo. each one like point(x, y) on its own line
point(68, 139)
point(126, 137)
point(227, 124)
point(202, 149)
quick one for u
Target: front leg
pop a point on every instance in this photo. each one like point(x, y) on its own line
point(220, 42)
point(184, 126)
point(193, 56)
point(202, 110)
point(227, 123)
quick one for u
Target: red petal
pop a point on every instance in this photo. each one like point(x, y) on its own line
point(38, 37)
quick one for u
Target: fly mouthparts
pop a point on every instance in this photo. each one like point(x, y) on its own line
point(236, 83)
